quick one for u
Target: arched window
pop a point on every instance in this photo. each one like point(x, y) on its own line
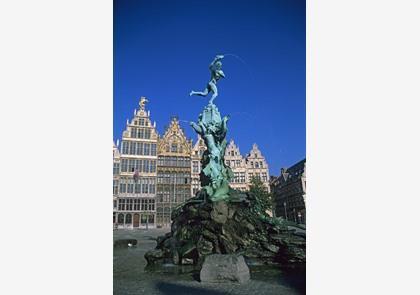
point(128, 219)
point(120, 218)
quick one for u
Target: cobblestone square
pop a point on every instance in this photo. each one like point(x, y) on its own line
point(131, 277)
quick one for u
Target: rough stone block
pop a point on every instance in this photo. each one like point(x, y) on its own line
point(219, 268)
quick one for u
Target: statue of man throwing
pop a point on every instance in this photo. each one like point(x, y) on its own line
point(216, 73)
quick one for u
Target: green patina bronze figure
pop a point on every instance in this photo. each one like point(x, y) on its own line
point(212, 128)
point(216, 73)
point(219, 219)
point(215, 175)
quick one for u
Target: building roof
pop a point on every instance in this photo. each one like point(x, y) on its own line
point(293, 172)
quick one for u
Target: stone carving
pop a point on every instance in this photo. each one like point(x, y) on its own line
point(219, 268)
point(142, 103)
point(201, 228)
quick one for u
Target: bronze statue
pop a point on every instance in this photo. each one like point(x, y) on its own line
point(216, 74)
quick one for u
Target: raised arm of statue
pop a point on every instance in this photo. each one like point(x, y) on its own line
point(197, 128)
point(224, 122)
point(215, 60)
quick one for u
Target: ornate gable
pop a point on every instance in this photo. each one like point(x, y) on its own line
point(174, 141)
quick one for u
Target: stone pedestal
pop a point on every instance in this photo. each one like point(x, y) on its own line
point(218, 268)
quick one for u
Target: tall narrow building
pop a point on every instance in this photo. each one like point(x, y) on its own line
point(116, 178)
point(136, 200)
point(196, 155)
point(257, 166)
point(236, 162)
point(173, 172)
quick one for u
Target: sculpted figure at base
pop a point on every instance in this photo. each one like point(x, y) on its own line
point(215, 175)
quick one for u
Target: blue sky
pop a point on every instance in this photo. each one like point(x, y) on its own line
point(162, 50)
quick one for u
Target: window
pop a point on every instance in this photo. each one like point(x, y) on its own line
point(120, 218)
point(137, 204)
point(238, 163)
point(139, 148)
point(137, 188)
point(133, 132)
point(124, 147)
point(242, 177)
point(227, 163)
point(124, 165)
point(195, 167)
point(153, 149)
point(236, 177)
point(174, 148)
point(147, 134)
point(147, 149)
point(141, 122)
point(115, 187)
point(116, 168)
point(128, 219)
point(130, 188)
point(121, 204)
point(143, 219)
point(132, 149)
point(130, 165)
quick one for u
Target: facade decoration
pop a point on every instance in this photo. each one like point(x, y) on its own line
point(196, 156)
point(136, 201)
point(237, 163)
point(173, 172)
point(257, 166)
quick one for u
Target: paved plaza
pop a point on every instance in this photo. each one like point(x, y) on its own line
point(132, 277)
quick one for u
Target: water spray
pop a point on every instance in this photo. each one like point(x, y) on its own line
point(241, 60)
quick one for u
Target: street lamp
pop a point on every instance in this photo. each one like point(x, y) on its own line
point(285, 211)
point(299, 216)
